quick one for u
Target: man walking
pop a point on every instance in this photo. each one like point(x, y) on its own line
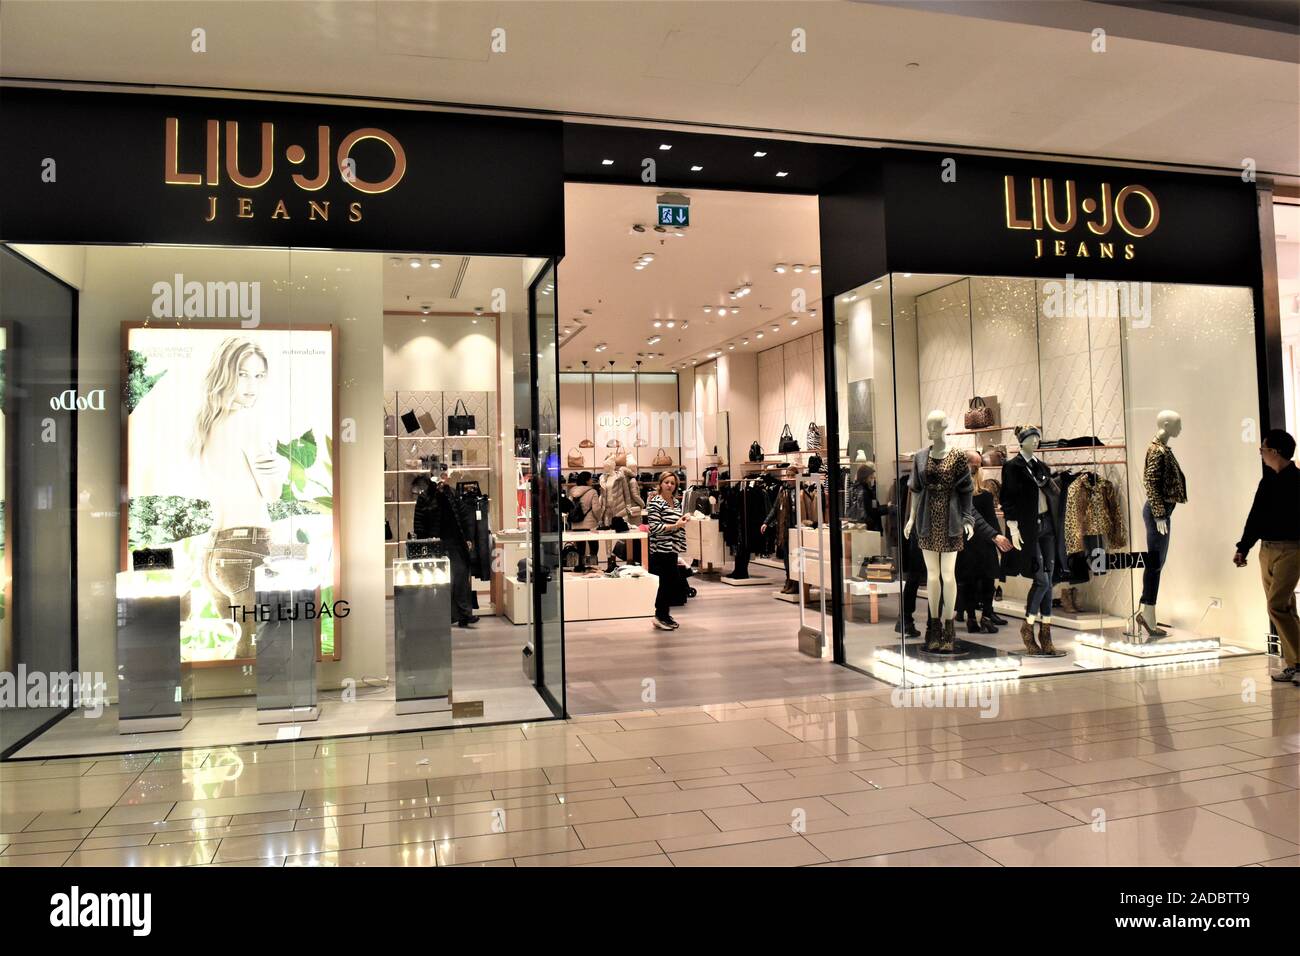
point(1274, 522)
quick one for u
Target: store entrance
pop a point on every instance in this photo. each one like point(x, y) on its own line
point(692, 401)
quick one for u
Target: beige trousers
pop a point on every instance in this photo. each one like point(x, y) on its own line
point(1279, 567)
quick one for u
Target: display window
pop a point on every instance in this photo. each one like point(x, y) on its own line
point(1040, 473)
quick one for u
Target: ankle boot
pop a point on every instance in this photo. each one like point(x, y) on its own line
point(1070, 601)
point(987, 626)
point(948, 643)
point(1027, 635)
point(932, 635)
point(1045, 638)
point(972, 626)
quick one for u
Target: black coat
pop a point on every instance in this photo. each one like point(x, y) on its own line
point(1020, 487)
point(978, 558)
point(439, 515)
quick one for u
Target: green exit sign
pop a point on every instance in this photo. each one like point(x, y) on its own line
point(671, 214)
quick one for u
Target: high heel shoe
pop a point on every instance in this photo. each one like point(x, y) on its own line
point(1140, 626)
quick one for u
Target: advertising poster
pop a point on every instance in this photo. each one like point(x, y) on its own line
point(229, 450)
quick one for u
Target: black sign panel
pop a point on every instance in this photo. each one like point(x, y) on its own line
point(968, 215)
point(117, 168)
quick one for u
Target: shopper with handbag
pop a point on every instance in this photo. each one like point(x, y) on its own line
point(667, 541)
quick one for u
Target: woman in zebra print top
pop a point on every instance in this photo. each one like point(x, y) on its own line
point(667, 540)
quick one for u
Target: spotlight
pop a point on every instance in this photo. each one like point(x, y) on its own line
point(794, 322)
point(776, 328)
point(607, 162)
point(797, 267)
point(671, 324)
point(779, 268)
point(435, 263)
point(744, 341)
point(759, 335)
point(415, 263)
point(815, 270)
point(782, 174)
point(708, 309)
point(696, 169)
point(658, 324)
point(721, 311)
point(637, 227)
point(731, 347)
point(759, 154)
point(394, 260)
point(686, 324)
point(664, 147)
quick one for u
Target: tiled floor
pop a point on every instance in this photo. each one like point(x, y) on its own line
point(1185, 765)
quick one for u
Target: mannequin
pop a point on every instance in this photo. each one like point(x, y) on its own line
point(622, 499)
point(1165, 487)
point(1031, 503)
point(941, 480)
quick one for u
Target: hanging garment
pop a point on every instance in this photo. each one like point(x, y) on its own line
point(1092, 508)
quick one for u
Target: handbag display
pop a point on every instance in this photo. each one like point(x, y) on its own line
point(662, 459)
point(978, 414)
point(523, 443)
point(460, 421)
point(994, 456)
point(814, 439)
point(574, 458)
point(410, 422)
point(586, 443)
point(787, 443)
point(755, 451)
point(390, 425)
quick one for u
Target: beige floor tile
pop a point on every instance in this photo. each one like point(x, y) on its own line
point(886, 838)
point(891, 798)
point(260, 862)
point(1017, 761)
point(768, 814)
point(1189, 739)
point(697, 738)
point(1270, 746)
point(1275, 813)
point(470, 757)
point(705, 776)
point(483, 823)
point(221, 833)
point(701, 799)
point(49, 846)
point(136, 813)
point(16, 822)
point(605, 770)
point(67, 819)
point(365, 793)
point(411, 854)
point(727, 759)
point(110, 842)
point(1007, 822)
point(654, 859)
point(817, 785)
point(571, 787)
point(954, 806)
point(38, 859)
point(1000, 783)
point(1287, 775)
point(681, 719)
point(662, 827)
point(223, 806)
point(790, 851)
point(582, 857)
point(502, 846)
point(1097, 770)
point(1190, 837)
point(917, 773)
point(956, 854)
point(1194, 757)
point(1109, 750)
point(1283, 861)
point(176, 854)
point(292, 843)
point(45, 836)
point(741, 778)
point(698, 841)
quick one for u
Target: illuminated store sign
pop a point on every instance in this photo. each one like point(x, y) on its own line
point(1057, 208)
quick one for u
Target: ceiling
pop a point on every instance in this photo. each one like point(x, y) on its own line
point(457, 284)
point(734, 238)
point(883, 72)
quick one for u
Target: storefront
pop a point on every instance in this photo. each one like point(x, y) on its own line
point(219, 560)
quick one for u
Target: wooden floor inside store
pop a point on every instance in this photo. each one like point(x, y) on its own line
point(734, 643)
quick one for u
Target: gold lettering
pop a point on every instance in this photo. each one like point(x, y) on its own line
point(1107, 249)
point(1038, 248)
point(1036, 210)
point(232, 156)
point(280, 211)
point(1009, 203)
point(318, 210)
point(322, 163)
point(354, 212)
point(399, 160)
point(1058, 247)
point(1128, 250)
point(1083, 251)
point(171, 158)
point(1072, 214)
point(245, 208)
point(212, 209)
point(1153, 211)
point(214, 153)
point(1103, 227)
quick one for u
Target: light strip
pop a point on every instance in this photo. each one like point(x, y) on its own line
point(1158, 649)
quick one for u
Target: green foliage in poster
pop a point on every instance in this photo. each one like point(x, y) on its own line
point(158, 521)
point(327, 623)
point(137, 383)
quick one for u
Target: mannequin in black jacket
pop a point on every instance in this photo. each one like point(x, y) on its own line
point(439, 516)
point(1031, 504)
point(977, 563)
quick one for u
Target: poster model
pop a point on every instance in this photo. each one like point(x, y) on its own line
point(229, 449)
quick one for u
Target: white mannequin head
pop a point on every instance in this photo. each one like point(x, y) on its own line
point(936, 425)
point(1169, 424)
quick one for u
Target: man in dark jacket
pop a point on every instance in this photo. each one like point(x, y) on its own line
point(1274, 522)
point(439, 516)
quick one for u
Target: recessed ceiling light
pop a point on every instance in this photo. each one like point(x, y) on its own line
point(686, 324)
point(658, 324)
point(907, 275)
point(759, 335)
point(813, 313)
point(696, 169)
point(744, 341)
point(638, 267)
point(782, 174)
point(815, 270)
point(394, 260)
point(708, 309)
point(776, 328)
point(722, 311)
point(760, 154)
point(435, 263)
point(653, 340)
point(877, 286)
point(779, 268)
point(794, 322)
point(665, 147)
point(586, 311)
point(797, 267)
point(679, 234)
point(731, 347)
point(566, 331)
point(424, 309)
point(671, 324)
point(607, 162)
point(415, 263)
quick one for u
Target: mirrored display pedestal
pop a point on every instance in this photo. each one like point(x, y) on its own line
point(287, 638)
point(422, 635)
point(153, 691)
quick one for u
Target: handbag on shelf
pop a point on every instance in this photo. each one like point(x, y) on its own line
point(814, 441)
point(978, 414)
point(755, 451)
point(994, 456)
point(460, 421)
point(523, 442)
point(574, 459)
point(410, 422)
point(662, 459)
point(586, 443)
point(787, 443)
point(390, 425)
point(427, 423)
point(388, 531)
